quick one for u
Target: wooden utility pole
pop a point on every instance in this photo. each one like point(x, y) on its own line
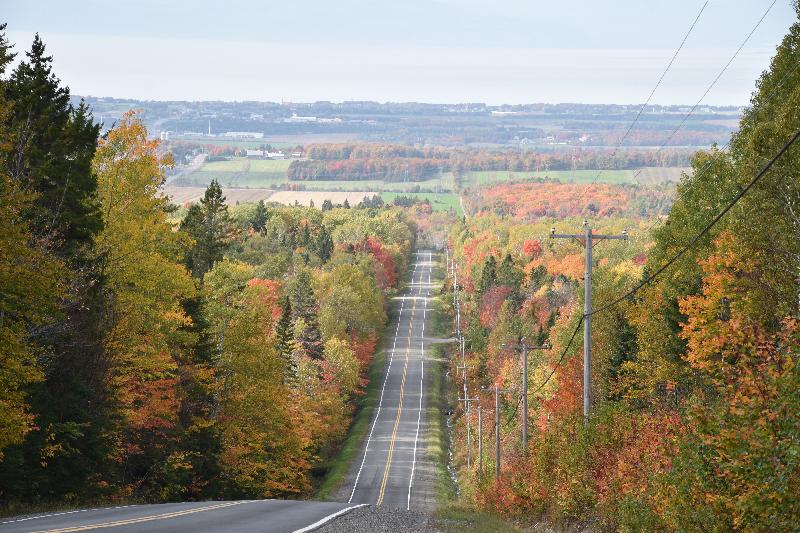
point(587, 239)
point(525, 347)
point(467, 403)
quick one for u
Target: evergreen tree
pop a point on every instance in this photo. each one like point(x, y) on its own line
point(324, 245)
point(259, 220)
point(327, 205)
point(208, 224)
point(346, 204)
point(52, 153)
point(285, 337)
point(304, 312)
point(509, 274)
point(488, 274)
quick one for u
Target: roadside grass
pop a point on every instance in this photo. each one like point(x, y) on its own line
point(451, 514)
point(336, 467)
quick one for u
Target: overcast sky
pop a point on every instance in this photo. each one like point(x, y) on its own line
point(493, 51)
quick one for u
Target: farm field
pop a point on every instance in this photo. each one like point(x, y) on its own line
point(233, 196)
point(268, 174)
point(439, 201)
point(648, 175)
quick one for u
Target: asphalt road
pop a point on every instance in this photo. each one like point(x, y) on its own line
point(233, 516)
point(388, 473)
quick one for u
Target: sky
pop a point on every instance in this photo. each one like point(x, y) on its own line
point(437, 51)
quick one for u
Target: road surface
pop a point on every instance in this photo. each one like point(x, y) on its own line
point(388, 472)
point(234, 516)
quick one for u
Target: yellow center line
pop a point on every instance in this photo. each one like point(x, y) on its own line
point(399, 409)
point(149, 518)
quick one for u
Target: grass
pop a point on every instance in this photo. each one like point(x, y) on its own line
point(451, 514)
point(339, 464)
point(439, 201)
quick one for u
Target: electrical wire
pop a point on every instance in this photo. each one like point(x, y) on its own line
point(702, 233)
point(658, 84)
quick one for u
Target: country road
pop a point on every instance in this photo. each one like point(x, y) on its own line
point(274, 516)
point(392, 470)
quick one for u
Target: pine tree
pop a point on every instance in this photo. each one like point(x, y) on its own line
point(324, 245)
point(346, 204)
point(488, 274)
point(304, 310)
point(285, 337)
point(208, 224)
point(327, 205)
point(54, 144)
point(259, 220)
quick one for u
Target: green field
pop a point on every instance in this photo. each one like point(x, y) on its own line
point(439, 201)
point(642, 176)
point(268, 174)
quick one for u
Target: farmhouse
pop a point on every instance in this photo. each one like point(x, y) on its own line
point(264, 154)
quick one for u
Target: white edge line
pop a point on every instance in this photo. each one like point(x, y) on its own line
point(421, 392)
point(383, 389)
point(328, 518)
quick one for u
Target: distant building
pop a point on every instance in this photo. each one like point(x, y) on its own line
point(164, 135)
point(244, 134)
point(294, 119)
point(263, 154)
point(297, 154)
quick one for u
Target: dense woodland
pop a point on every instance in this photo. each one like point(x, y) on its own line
point(402, 163)
point(695, 377)
point(147, 358)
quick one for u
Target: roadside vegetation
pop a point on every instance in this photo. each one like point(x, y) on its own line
point(695, 406)
point(217, 355)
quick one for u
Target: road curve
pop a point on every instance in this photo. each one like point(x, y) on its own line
point(279, 516)
point(387, 471)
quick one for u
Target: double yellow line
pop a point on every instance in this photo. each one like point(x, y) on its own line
point(399, 409)
point(149, 518)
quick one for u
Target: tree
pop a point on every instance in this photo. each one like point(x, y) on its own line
point(327, 205)
point(488, 274)
point(284, 338)
point(209, 225)
point(144, 286)
point(304, 310)
point(52, 153)
point(324, 244)
point(259, 219)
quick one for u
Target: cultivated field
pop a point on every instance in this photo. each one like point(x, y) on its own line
point(233, 196)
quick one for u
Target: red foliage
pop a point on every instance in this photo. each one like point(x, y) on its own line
point(384, 264)
point(532, 248)
point(490, 304)
point(269, 294)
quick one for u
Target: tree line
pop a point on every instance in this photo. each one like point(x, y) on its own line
point(370, 161)
point(155, 353)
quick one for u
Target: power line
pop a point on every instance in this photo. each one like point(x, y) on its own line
point(703, 232)
point(658, 84)
point(561, 358)
point(713, 83)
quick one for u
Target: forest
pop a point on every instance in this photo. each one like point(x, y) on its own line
point(146, 357)
point(400, 163)
point(696, 402)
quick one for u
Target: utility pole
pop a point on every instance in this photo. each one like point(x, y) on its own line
point(480, 440)
point(587, 239)
point(525, 347)
point(469, 434)
point(497, 391)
